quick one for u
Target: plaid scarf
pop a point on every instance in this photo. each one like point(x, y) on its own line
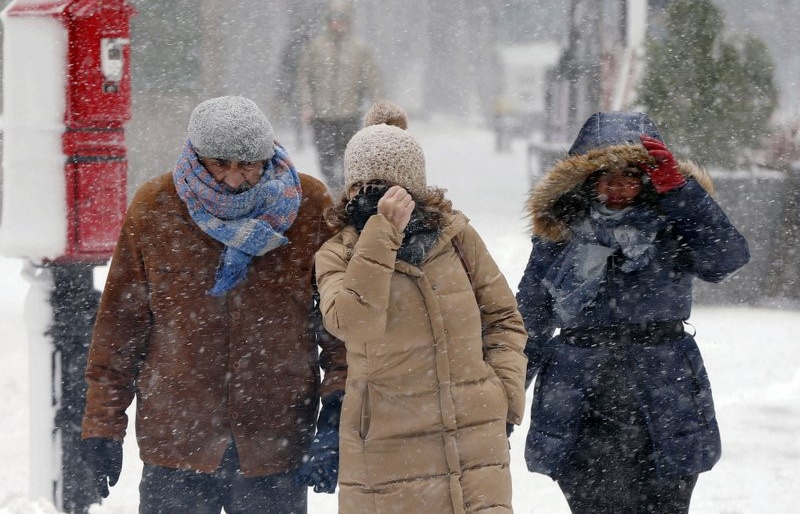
point(248, 223)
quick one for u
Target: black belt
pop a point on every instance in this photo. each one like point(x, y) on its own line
point(623, 335)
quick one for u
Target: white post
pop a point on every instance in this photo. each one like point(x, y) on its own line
point(45, 458)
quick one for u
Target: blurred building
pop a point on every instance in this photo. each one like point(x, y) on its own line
point(600, 63)
point(439, 57)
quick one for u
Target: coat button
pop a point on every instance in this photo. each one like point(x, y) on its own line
point(236, 315)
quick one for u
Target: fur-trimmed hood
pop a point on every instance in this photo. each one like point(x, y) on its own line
point(569, 174)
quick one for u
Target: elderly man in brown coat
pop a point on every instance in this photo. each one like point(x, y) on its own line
point(206, 320)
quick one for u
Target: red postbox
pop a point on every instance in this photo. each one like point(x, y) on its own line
point(96, 105)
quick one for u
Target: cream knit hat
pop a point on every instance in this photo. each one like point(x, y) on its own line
point(385, 152)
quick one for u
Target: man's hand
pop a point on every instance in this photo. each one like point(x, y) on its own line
point(396, 205)
point(104, 457)
point(320, 467)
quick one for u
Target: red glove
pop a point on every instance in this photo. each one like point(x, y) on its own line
point(664, 175)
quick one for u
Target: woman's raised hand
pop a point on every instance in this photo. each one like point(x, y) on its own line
point(396, 205)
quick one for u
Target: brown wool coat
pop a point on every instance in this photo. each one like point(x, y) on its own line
point(433, 378)
point(205, 369)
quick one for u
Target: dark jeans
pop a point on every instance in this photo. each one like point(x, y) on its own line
point(331, 137)
point(175, 491)
point(610, 470)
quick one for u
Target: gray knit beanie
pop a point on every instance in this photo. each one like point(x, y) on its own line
point(231, 127)
point(385, 152)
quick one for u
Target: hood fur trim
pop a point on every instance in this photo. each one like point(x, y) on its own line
point(573, 171)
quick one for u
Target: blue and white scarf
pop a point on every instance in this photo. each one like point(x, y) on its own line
point(248, 223)
point(574, 279)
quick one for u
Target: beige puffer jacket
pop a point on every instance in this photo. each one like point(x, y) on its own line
point(434, 374)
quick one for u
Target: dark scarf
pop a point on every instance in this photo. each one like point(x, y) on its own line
point(574, 278)
point(419, 235)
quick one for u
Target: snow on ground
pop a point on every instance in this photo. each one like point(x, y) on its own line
point(750, 353)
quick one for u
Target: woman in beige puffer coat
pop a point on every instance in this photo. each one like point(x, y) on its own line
point(434, 341)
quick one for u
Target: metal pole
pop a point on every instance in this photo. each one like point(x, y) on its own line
point(74, 300)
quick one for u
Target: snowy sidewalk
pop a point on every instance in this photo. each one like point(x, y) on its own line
point(751, 355)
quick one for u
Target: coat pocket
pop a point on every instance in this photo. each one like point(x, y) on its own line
point(678, 406)
point(366, 417)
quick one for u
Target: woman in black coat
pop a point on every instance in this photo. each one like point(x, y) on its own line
point(622, 415)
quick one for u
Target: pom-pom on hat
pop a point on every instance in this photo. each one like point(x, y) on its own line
point(386, 112)
point(385, 152)
point(231, 127)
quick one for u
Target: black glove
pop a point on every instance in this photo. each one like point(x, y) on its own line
point(104, 457)
point(509, 429)
point(365, 204)
point(320, 468)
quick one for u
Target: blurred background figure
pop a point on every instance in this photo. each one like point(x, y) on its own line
point(503, 124)
point(337, 76)
point(287, 71)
